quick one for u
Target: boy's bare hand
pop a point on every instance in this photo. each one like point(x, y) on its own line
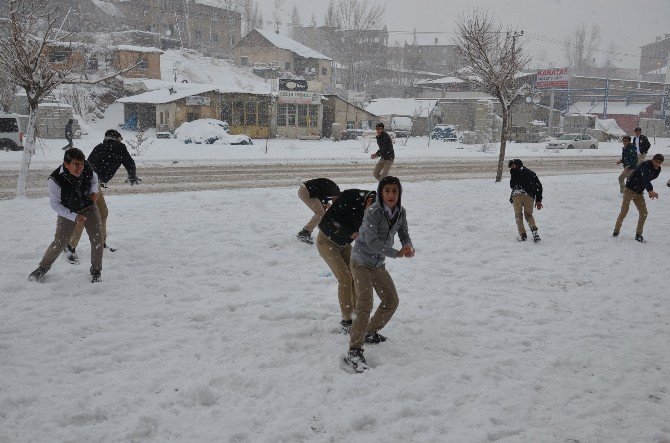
point(80, 220)
point(406, 251)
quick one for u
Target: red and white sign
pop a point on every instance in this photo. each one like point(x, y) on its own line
point(552, 78)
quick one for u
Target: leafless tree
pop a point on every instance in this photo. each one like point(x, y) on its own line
point(580, 48)
point(495, 57)
point(276, 14)
point(249, 15)
point(24, 62)
point(295, 18)
point(329, 19)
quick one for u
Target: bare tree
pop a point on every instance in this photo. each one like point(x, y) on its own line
point(329, 19)
point(24, 62)
point(495, 57)
point(276, 14)
point(295, 19)
point(249, 15)
point(611, 57)
point(580, 48)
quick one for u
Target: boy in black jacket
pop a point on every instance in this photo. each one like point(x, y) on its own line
point(338, 229)
point(317, 195)
point(637, 182)
point(526, 190)
point(385, 153)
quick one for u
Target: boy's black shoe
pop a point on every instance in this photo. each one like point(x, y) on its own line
point(523, 237)
point(71, 255)
point(356, 361)
point(96, 277)
point(305, 236)
point(109, 247)
point(38, 274)
point(536, 236)
point(638, 237)
point(345, 326)
point(375, 337)
point(615, 234)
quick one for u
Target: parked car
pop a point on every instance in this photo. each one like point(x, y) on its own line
point(209, 131)
point(402, 126)
point(573, 141)
point(444, 132)
point(352, 134)
point(11, 135)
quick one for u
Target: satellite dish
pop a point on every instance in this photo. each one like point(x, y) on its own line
point(529, 99)
point(537, 98)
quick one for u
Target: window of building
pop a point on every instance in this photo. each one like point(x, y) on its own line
point(324, 71)
point(351, 124)
point(290, 117)
point(302, 115)
point(263, 113)
point(287, 66)
point(58, 55)
point(281, 115)
point(238, 114)
point(226, 112)
point(192, 116)
point(250, 114)
point(244, 61)
point(198, 34)
point(215, 37)
point(313, 116)
point(160, 118)
point(142, 64)
point(215, 17)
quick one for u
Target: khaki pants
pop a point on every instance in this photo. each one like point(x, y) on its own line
point(641, 206)
point(64, 230)
point(337, 258)
point(622, 178)
point(365, 279)
point(104, 212)
point(314, 204)
point(382, 168)
point(523, 208)
point(640, 158)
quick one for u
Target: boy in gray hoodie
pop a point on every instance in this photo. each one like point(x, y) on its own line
point(382, 220)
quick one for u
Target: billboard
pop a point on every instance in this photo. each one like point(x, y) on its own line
point(552, 78)
point(299, 97)
point(197, 100)
point(292, 85)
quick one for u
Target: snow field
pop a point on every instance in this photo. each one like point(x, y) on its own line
point(214, 323)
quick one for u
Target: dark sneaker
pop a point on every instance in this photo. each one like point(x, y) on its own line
point(523, 237)
point(71, 255)
point(38, 274)
point(96, 277)
point(638, 237)
point(305, 236)
point(375, 337)
point(109, 247)
point(536, 236)
point(615, 234)
point(345, 326)
point(356, 361)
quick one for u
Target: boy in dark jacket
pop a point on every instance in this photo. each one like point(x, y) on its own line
point(73, 191)
point(381, 222)
point(317, 195)
point(526, 190)
point(338, 228)
point(385, 153)
point(106, 158)
point(637, 182)
point(629, 160)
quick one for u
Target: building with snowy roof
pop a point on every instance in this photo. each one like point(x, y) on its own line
point(425, 113)
point(261, 48)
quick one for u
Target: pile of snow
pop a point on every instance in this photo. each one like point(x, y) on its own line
point(209, 131)
point(609, 126)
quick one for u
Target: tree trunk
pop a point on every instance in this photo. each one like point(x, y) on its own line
point(503, 143)
point(28, 151)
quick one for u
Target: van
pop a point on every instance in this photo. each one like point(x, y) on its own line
point(402, 126)
point(11, 133)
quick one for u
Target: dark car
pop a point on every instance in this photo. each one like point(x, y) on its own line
point(444, 132)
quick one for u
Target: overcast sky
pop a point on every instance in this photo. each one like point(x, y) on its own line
point(629, 24)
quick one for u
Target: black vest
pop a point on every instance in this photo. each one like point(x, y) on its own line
point(74, 190)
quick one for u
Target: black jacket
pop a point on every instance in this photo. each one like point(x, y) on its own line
point(385, 144)
point(640, 179)
point(322, 188)
point(74, 190)
point(108, 156)
point(644, 144)
point(524, 178)
point(344, 217)
point(68, 130)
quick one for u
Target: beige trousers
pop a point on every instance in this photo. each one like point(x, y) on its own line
point(382, 168)
point(365, 279)
point(641, 206)
point(640, 158)
point(64, 230)
point(523, 208)
point(104, 212)
point(314, 204)
point(337, 258)
point(622, 178)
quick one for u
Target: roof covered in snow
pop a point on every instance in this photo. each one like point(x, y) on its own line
point(108, 8)
point(138, 48)
point(614, 108)
point(409, 107)
point(440, 81)
point(284, 42)
point(163, 95)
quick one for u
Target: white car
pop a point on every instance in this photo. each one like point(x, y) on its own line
point(573, 141)
point(209, 131)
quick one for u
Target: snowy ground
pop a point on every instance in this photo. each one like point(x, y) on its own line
point(167, 152)
point(213, 323)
